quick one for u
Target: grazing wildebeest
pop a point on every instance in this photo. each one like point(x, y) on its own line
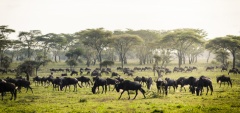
point(149, 82)
point(210, 68)
point(182, 81)
point(114, 74)
point(8, 87)
point(86, 80)
point(96, 73)
point(99, 82)
point(111, 82)
point(204, 82)
point(234, 71)
point(171, 82)
point(161, 86)
point(129, 85)
point(74, 73)
point(65, 74)
point(224, 79)
point(69, 81)
point(224, 69)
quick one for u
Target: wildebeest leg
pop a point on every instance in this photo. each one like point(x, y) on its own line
point(113, 88)
point(128, 94)
point(136, 94)
point(2, 95)
point(103, 89)
point(220, 84)
point(121, 94)
point(109, 87)
point(207, 90)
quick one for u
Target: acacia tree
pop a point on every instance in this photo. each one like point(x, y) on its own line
point(123, 43)
point(97, 39)
point(29, 39)
point(180, 40)
point(230, 43)
point(4, 41)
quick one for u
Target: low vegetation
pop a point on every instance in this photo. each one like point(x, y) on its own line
point(44, 99)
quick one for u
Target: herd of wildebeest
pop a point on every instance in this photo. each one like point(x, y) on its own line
point(94, 80)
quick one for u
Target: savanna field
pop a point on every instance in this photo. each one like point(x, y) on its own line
point(44, 100)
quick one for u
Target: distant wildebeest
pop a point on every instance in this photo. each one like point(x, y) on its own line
point(114, 74)
point(96, 73)
point(224, 79)
point(74, 73)
point(64, 74)
point(129, 85)
point(85, 80)
point(67, 81)
point(210, 68)
point(161, 86)
point(99, 82)
point(234, 71)
point(224, 69)
point(204, 82)
point(8, 87)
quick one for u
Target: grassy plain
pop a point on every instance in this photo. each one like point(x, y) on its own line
point(45, 100)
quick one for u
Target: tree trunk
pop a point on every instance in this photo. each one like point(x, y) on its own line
point(208, 56)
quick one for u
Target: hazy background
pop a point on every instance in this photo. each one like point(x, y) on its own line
point(216, 17)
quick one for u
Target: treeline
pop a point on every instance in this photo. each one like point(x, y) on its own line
point(94, 46)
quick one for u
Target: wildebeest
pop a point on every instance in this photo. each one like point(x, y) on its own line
point(161, 86)
point(99, 82)
point(129, 85)
point(114, 74)
point(149, 82)
point(111, 81)
point(171, 82)
point(210, 68)
point(69, 81)
point(20, 83)
point(224, 69)
point(224, 79)
point(8, 87)
point(204, 82)
point(74, 73)
point(37, 80)
point(182, 81)
point(56, 82)
point(23, 83)
point(96, 73)
point(85, 80)
point(234, 71)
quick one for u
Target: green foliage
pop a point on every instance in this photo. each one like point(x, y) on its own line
point(6, 61)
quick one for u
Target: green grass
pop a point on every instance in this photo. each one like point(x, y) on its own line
point(45, 100)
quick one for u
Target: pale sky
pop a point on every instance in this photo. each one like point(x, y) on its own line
point(216, 17)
